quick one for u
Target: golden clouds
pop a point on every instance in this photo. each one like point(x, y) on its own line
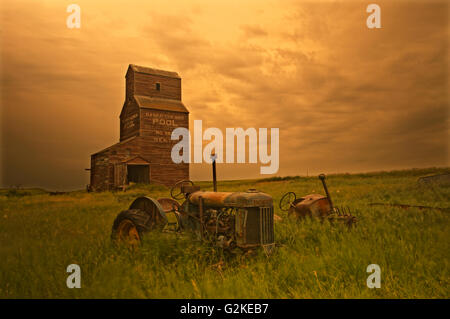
point(345, 98)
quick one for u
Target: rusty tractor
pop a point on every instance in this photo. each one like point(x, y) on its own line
point(225, 219)
point(315, 206)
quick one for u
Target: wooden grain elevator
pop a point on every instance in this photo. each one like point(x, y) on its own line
point(151, 111)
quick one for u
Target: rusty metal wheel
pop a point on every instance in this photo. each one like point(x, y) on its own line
point(129, 226)
point(145, 214)
point(287, 200)
point(128, 233)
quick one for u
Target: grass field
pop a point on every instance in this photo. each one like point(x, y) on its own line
point(41, 234)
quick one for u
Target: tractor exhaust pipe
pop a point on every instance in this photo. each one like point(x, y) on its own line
point(213, 157)
point(322, 178)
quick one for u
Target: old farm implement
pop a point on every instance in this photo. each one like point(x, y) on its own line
point(315, 206)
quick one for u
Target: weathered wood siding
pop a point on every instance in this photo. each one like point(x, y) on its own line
point(107, 170)
point(145, 131)
point(102, 163)
point(129, 120)
point(129, 85)
point(156, 130)
point(145, 84)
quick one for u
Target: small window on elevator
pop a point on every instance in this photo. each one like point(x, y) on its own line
point(158, 87)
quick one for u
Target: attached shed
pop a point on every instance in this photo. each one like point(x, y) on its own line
point(151, 111)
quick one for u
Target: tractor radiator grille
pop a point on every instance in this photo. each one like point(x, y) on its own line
point(266, 225)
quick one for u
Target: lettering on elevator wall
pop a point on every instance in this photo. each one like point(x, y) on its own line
point(160, 125)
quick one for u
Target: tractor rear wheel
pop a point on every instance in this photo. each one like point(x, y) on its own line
point(129, 226)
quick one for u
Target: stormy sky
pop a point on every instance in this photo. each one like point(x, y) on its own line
point(345, 98)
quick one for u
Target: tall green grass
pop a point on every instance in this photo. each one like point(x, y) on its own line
point(41, 234)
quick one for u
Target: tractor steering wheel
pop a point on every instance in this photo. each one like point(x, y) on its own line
point(287, 200)
point(175, 191)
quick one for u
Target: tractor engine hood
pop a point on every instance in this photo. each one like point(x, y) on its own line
point(250, 198)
